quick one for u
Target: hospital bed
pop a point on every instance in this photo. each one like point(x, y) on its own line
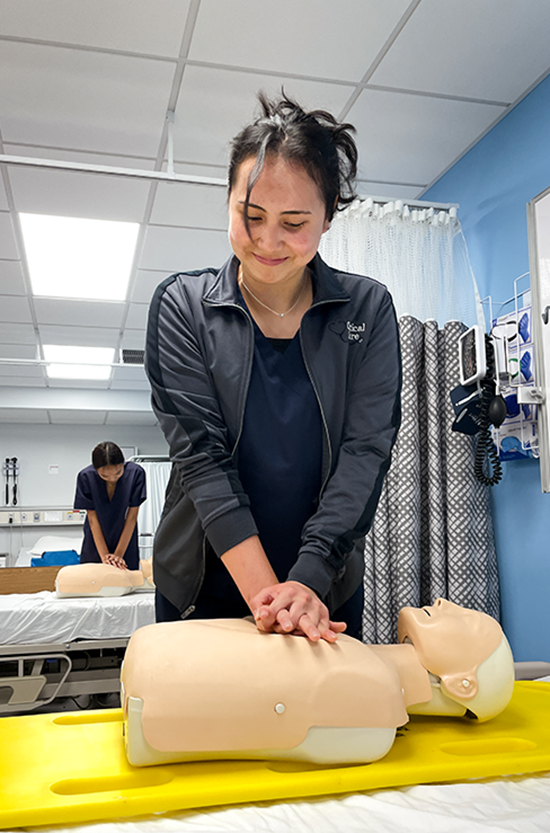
point(53, 648)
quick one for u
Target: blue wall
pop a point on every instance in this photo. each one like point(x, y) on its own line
point(493, 184)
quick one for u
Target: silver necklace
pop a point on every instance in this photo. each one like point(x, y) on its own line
point(274, 311)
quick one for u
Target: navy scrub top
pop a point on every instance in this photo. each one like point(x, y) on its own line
point(279, 458)
point(91, 493)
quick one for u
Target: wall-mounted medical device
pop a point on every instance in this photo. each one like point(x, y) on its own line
point(477, 401)
point(538, 223)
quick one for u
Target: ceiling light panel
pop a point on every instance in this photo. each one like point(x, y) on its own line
point(78, 362)
point(70, 257)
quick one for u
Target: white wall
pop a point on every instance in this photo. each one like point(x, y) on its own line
point(37, 447)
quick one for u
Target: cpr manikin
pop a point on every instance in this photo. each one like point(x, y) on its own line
point(94, 579)
point(213, 689)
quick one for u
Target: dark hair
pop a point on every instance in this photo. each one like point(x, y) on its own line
point(314, 140)
point(106, 454)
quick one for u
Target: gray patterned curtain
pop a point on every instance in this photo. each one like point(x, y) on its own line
point(433, 534)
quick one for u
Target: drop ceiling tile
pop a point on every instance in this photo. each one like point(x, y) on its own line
point(178, 250)
point(145, 284)
point(11, 278)
point(389, 190)
point(67, 154)
point(74, 98)
point(15, 308)
point(127, 25)
point(78, 313)
point(76, 385)
point(313, 37)
point(411, 138)
point(4, 205)
point(69, 194)
point(8, 246)
point(492, 50)
point(130, 418)
point(136, 385)
point(129, 373)
point(8, 372)
point(194, 206)
point(137, 316)
point(133, 340)
point(196, 169)
point(79, 336)
point(215, 104)
point(77, 416)
point(22, 382)
point(18, 334)
point(17, 351)
point(20, 416)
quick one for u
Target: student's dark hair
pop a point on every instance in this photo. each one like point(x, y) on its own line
point(314, 140)
point(107, 454)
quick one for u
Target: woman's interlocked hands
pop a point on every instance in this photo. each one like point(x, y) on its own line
point(293, 608)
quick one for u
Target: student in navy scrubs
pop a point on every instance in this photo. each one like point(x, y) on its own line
point(111, 491)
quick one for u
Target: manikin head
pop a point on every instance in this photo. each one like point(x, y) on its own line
point(466, 650)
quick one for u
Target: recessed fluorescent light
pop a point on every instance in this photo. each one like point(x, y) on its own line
point(70, 257)
point(78, 362)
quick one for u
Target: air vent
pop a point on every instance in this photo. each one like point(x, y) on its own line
point(133, 356)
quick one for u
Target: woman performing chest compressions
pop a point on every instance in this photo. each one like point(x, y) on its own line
point(111, 491)
point(276, 381)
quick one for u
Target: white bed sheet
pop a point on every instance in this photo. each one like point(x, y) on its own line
point(516, 805)
point(41, 618)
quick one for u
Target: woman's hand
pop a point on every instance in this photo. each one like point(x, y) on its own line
point(293, 608)
point(115, 561)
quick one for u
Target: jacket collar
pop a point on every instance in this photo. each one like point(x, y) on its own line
point(326, 286)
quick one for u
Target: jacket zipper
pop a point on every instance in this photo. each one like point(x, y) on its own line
point(316, 392)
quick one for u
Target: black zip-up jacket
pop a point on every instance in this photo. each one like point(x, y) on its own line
point(200, 344)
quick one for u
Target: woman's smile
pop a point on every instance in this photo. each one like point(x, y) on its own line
point(270, 261)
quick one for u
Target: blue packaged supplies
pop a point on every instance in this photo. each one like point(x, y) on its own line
point(55, 558)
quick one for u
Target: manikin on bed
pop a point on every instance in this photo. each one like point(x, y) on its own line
point(91, 579)
point(221, 689)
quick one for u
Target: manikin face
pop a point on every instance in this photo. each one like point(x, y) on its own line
point(286, 219)
point(450, 641)
point(110, 474)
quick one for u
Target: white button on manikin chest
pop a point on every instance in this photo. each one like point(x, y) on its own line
point(280, 708)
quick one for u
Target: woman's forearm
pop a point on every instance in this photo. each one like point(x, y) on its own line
point(127, 532)
point(249, 567)
point(97, 534)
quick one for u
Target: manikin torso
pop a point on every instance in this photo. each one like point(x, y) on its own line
point(200, 690)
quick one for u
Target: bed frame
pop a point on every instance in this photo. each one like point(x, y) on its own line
point(32, 676)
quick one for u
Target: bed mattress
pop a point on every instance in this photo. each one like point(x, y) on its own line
point(39, 618)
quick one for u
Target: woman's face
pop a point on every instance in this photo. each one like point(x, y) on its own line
point(286, 216)
point(111, 473)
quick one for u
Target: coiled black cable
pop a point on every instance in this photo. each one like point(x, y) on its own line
point(486, 457)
